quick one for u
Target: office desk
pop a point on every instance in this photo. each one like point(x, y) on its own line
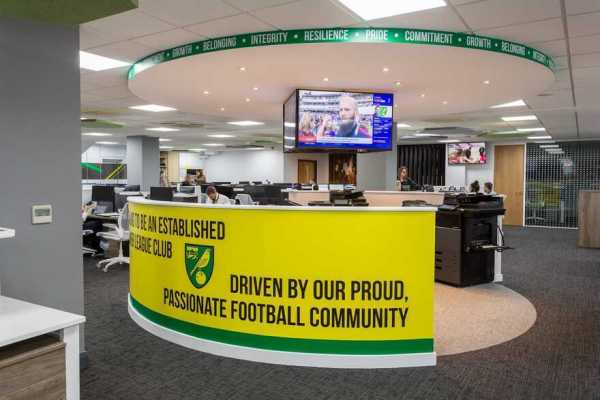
point(21, 321)
point(374, 198)
point(286, 285)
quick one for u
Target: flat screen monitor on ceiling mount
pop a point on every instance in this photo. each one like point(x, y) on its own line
point(466, 153)
point(319, 120)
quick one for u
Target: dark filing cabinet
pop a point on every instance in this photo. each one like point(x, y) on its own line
point(466, 238)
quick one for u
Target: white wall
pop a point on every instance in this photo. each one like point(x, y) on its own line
point(189, 160)
point(290, 170)
point(96, 152)
point(245, 165)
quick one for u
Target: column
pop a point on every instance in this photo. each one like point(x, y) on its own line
point(143, 161)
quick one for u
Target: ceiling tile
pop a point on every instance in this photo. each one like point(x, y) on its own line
point(554, 48)
point(558, 99)
point(561, 62)
point(585, 44)
point(127, 25)
point(186, 12)
point(498, 13)
point(442, 18)
point(584, 24)
point(583, 76)
point(128, 51)
point(589, 121)
point(251, 5)
point(110, 77)
point(306, 14)
point(581, 6)
point(550, 29)
point(587, 97)
point(586, 60)
point(237, 24)
point(168, 39)
point(459, 2)
point(112, 92)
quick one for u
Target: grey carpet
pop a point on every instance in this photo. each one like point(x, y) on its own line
point(558, 358)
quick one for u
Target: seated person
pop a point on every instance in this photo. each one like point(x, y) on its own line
point(474, 187)
point(215, 197)
point(189, 181)
point(94, 225)
point(488, 188)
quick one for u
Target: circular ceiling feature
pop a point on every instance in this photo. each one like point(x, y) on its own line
point(449, 67)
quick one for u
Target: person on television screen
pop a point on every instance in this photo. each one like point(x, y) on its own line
point(305, 128)
point(455, 156)
point(349, 123)
point(482, 156)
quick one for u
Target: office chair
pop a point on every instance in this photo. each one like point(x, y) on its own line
point(119, 233)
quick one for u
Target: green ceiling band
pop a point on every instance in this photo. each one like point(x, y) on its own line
point(92, 167)
point(345, 35)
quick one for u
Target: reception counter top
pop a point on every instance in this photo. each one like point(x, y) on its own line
point(374, 198)
point(342, 287)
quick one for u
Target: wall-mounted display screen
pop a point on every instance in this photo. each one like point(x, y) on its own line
point(466, 153)
point(339, 120)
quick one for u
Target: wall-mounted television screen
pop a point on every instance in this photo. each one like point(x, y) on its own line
point(466, 153)
point(328, 120)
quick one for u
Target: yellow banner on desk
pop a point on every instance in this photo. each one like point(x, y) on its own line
point(294, 280)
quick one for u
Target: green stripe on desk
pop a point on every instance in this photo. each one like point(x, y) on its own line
point(353, 347)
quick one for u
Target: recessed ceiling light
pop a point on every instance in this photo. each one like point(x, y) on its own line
point(213, 144)
point(326, 79)
point(95, 62)
point(162, 129)
point(96, 134)
point(289, 138)
point(197, 149)
point(520, 118)
point(505, 132)
point(444, 102)
point(206, 92)
point(386, 69)
point(539, 137)
point(288, 146)
point(398, 83)
point(242, 69)
point(245, 123)
point(369, 10)
point(222, 108)
point(401, 125)
point(545, 141)
point(255, 148)
point(165, 147)
point(107, 143)
point(289, 124)
point(221, 136)
point(516, 103)
point(247, 99)
point(486, 82)
point(422, 95)
point(165, 140)
point(152, 108)
point(448, 141)
point(549, 146)
point(421, 134)
point(255, 88)
point(531, 129)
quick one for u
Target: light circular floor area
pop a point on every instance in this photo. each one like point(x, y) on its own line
point(477, 317)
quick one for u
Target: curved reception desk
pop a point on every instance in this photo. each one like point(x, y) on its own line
point(341, 287)
point(375, 198)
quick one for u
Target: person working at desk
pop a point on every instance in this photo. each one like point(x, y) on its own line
point(200, 177)
point(215, 197)
point(404, 180)
point(189, 181)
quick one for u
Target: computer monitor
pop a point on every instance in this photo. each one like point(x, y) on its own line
point(161, 193)
point(226, 190)
point(132, 188)
point(103, 193)
point(243, 182)
point(257, 182)
point(336, 186)
point(187, 189)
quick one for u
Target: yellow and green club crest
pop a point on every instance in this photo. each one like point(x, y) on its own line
point(199, 263)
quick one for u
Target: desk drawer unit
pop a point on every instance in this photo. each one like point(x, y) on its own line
point(33, 369)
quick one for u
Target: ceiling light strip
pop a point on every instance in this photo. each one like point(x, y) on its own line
point(345, 35)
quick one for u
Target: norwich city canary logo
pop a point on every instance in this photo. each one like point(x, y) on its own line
point(199, 263)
